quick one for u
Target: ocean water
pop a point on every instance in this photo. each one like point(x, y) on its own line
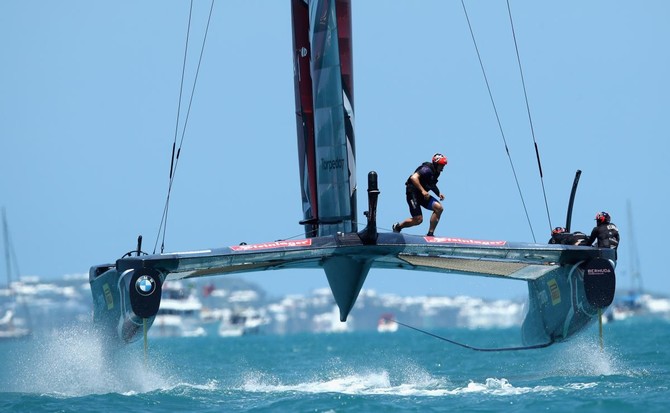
point(349, 372)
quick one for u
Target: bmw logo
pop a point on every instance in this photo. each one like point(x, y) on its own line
point(145, 285)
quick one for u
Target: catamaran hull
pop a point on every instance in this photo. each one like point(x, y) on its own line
point(567, 300)
point(568, 285)
point(124, 304)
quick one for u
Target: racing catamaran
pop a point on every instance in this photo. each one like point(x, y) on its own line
point(568, 286)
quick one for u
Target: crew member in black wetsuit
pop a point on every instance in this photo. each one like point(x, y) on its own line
point(606, 233)
point(418, 185)
point(559, 235)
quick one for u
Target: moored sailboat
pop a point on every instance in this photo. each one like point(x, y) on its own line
point(12, 327)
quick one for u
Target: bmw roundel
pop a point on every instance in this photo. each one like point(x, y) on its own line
point(145, 285)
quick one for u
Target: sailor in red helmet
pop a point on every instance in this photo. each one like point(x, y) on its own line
point(418, 185)
point(605, 232)
point(559, 235)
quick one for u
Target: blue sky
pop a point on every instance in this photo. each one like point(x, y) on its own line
point(88, 104)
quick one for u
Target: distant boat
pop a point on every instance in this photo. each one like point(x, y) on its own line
point(12, 327)
point(620, 312)
point(386, 324)
point(632, 303)
point(241, 323)
point(639, 305)
point(9, 330)
point(179, 313)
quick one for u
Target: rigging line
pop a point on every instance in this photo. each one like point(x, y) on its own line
point(190, 104)
point(495, 110)
point(163, 223)
point(181, 91)
point(537, 346)
point(175, 162)
point(195, 80)
point(530, 119)
point(300, 234)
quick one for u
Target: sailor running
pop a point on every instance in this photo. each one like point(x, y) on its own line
point(417, 187)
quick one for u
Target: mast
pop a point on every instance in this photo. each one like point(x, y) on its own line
point(635, 276)
point(5, 233)
point(11, 266)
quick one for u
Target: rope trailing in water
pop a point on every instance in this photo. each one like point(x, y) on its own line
point(472, 347)
point(176, 151)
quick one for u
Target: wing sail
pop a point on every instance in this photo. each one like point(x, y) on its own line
point(304, 110)
point(323, 81)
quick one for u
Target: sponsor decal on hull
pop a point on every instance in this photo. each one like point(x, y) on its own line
point(463, 241)
point(554, 291)
point(109, 298)
point(598, 271)
point(271, 245)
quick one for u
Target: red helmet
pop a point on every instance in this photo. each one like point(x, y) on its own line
point(439, 159)
point(558, 230)
point(603, 217)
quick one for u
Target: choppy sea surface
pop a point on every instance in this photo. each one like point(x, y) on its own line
point(348, 372)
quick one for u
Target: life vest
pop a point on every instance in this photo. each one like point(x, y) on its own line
point(428, 181)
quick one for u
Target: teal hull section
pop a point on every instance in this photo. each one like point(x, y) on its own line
point(112, 309)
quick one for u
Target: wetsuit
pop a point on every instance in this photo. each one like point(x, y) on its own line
point(607, 236)
point(428, 175)
point(560, 238)
point(569, 238)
